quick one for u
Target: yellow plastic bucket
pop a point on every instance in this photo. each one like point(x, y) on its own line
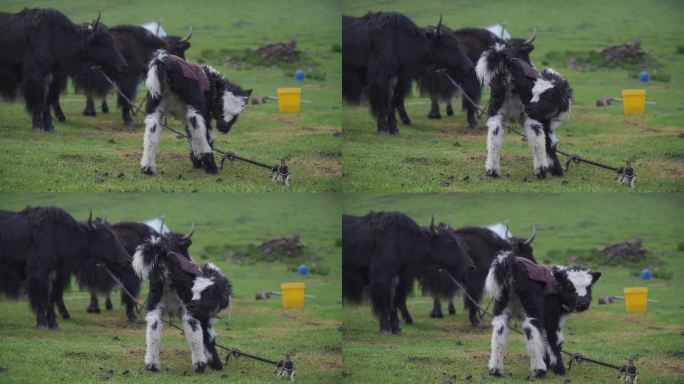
point(634, 101)
point(636, 299)
point(293, 295)
point(289, 99)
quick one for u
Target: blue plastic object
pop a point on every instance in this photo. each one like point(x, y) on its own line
point(299, 75)
point(303, 270)
point(644, 76)
point(646, 274)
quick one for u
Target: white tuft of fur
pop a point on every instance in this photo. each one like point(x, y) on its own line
point(199, 285)
point(553, 72)
point(196, 341)
point(153, 82)
point(198, 132)
point(581, 280)
point(481, 68)
point(540, 86)
point(139, 266)
point(232, 105)
point(492, 285)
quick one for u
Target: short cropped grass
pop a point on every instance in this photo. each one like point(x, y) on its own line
point(446, 155)
point(100, 154)
point(101, 347)
point(449, 350)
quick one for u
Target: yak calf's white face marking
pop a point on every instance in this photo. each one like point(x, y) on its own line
point(581, 280)
point(200, 284)
point(232, 105)
point(540, 86)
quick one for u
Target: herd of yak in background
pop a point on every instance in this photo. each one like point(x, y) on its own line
point(41, 48)
point(41, 248)
point(383, 53)
point(384, 253)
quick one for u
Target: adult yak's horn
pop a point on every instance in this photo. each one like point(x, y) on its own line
point(161, 226)
point(532, 236)
point(90, 218)
point(531, 39)
point(432, 224)
point(439, 25)
point(186, 38)
point(97, 21)
point(189, 234)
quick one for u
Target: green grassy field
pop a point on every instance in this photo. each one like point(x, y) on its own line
point(100, 154)
point(445, 155)
point(93, 347)
point(450, 351)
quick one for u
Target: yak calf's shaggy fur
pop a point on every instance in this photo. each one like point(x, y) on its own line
point(519, 93)
point(544, 295)
point(192, 94)
point(179, 287)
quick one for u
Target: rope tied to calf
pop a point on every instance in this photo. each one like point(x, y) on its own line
point(283, 368)
point(279, 172)
point(627, 372)
point(625, 175)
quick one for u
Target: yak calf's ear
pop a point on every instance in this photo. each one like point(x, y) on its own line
point(595, 276)
point(247, 93)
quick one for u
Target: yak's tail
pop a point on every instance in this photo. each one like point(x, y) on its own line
point(156, 74)
point(492, 62)
point(500, 274)
point(146, 255)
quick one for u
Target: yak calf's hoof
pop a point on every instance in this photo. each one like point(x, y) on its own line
point(396, 331)
point(492, 173)
point(559, 369)
point(406, 120)
point(93, 310)
point(61, 118)
point(66, 315)
point(54, 326)
point(450, 111)
point(89, 113)
point(209, 164)
point(496, 372)
point(216, 364)
point(105, 108)
point(152, 367)
point(434, 116)
point(473, 124)
point(408, 320)
point(147, 170)
point(385, 332)
point(541, 173)
point(539, 373)
point(438, 315)
point(108, 305)
point(199, 367)
point(557, 171)
point(452, 310)
point(128, 122)
point(132, 318)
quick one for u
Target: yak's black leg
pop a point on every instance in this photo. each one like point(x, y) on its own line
point(401, 89)
point(90, 106)
point(436, 308)
point(434, 109)
point(452, 308)
point(449, 108)
point(53, 99)
point(381, 299)
point(39, 296)
point(104, 107)
point(128, 87)
point(58, 294)
point(94, 306)
point(108, 302)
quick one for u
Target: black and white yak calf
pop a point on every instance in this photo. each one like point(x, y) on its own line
point(193, 94)
point(537, 100)
point(544, 295)
point(180, 287)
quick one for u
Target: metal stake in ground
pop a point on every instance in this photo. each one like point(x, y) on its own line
point(625, 175)
point(627, 371)
point(279, 172)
